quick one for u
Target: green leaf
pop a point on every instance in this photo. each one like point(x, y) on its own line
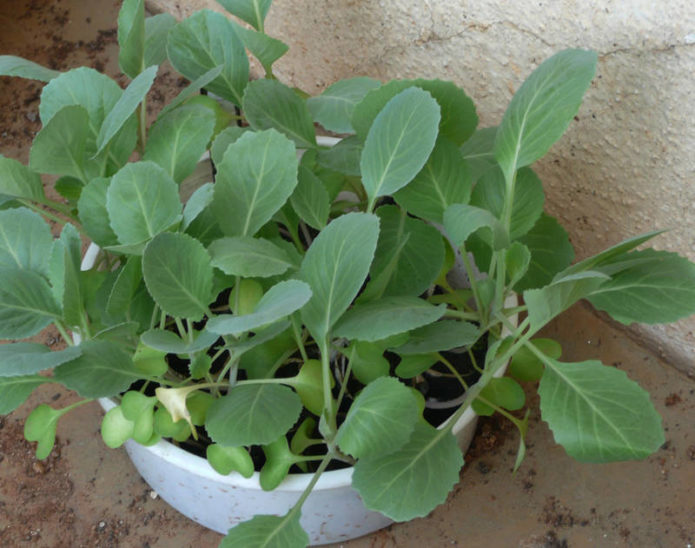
point(527, 207)
point(367, 360)
point(525, 365)
point(69, 188)
point(542, 108)
point(251, 11)
point(445, 180)
point(139, 408)
point(547, 302)
point(249, 257)
point(333, 109)
point(27, 304)
point(657, 287)
point(459, 118)
point(271, 104)
point(411, 249)
point(373, 103)
point(280, 301)
point(225, 138)
point(40, 426)
point(11, 65)
point(197, 204)
point(125, 107)
point(263, 47)
point(308, 384)
point(204, 41)
point(125, 287)
point(140, 211)
point(165, 426)
point(157, 29)
point(178, 275)
point(226, 460)
point(149, 361)
point(93, 214)
point(178, 140)
point(59, 148)
point(380, 420)
point(415, 364)
point(518, 259)
point(115, 428)
point(597, 413)
point(104, 369)
point(253, 414)
point(551, 252)
point(20, 359)
point(503, 392)
point(310, 199)
point(270, 531)
point(25, 240)
point(19, 181)
point(344, 157)
point(131, 37)
point(412, 481)
point(439, 336)
point(73, 293)
point(399, 142)
point(385, 317)
point(15, 390)
point(335, 267)
point(255, 179)
point(478, 151)
point(460, 221)
point(191, 90)
point(171, 343)
point(262, 350)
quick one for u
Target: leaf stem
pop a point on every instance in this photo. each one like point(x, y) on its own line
point(64, 332)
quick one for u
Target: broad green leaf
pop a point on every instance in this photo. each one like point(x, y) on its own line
point(40, 426)
point(367, 360)
point(249, 257)
point(255, 179)
point(171, 343)
point(399, 142)
point(551, 252)
point(251, 11)
point(250, 292)
point(308, 384)
point(59, 148)
point(131, 37)
point(132, 96)
point(27, 304)
point(225, 138)
point(460, 221)
point(657, 287)
point(445, 180)
point(204, 41)
point(226, 460)
point(517, 259)
point(380, 420)
point(527, 207)
point(278, 460)
point(15, 390)
point(19, 181)
point(413, 250)
point(11, 65)
point(73, 292)
point(178, 140)
point(191, 90)
point(459, 118)
point(262, 351)
point(157, 29)
point(149, 361)
point(93, 214)
point(125, 287)
point(25, 240)
point(253, 414)
point(385, 317)
point(165, 426)
point(439, 336)
point(525, 365)
point(412, 481)
point(542, 108)
point(263, 47)
point(335, 267)
point(115, 428)
point(21, 358)
point(142, 201)
point(374, 101)
point(104, 369)
point(597, 413)
point(478, 151)
point(271, 104)
point(197, 203)
point(69, 188)
point(178, 275)
point(333, 109)
point(503, 392)
point(415, 364)
point(310, 199)
point(269, 531)
point(344, 157)
point(280, 301)
point(547, 302)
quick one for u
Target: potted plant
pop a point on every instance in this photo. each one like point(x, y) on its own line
point(291, 318)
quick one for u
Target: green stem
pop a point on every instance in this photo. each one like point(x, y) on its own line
point(296, 331)
point(472, 279)
point(462, 315)
point(64, 333)
point(142, 118)
point(451, 368)
point(309, 488)
point(502, 412)
point(328, 403)
point(343, 386)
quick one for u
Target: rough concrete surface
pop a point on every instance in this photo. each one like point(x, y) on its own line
point(625, 167)
point(87, 495)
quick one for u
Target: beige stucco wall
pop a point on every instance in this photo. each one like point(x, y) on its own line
point(626, 166)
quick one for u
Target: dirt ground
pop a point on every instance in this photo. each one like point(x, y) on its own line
point(86, 495)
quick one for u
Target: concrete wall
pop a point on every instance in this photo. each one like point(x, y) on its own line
point(626, 166)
